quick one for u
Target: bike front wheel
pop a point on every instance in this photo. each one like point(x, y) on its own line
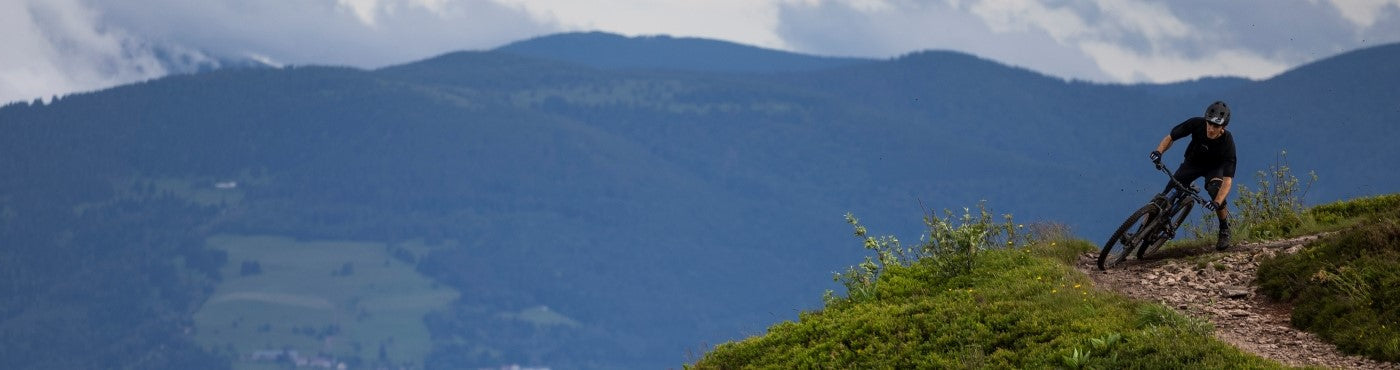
point(1126, 238)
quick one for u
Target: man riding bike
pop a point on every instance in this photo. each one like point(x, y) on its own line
point(1211, 154)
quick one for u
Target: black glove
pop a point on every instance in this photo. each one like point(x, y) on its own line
point(1156, 157)
point(1212, 205)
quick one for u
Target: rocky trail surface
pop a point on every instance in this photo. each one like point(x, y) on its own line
point(1219, 287)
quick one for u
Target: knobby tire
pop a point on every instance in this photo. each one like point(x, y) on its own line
point(1107, 257)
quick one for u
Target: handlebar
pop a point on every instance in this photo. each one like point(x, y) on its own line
point(1195, 195)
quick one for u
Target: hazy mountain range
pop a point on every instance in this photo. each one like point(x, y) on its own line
point(661, 194)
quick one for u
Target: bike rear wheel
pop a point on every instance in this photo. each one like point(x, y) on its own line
point(1157, 244)
point(1127, 238)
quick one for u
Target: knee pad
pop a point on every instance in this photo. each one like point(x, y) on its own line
point(1213, 188)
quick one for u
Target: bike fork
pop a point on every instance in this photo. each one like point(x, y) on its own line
point(1141, 235)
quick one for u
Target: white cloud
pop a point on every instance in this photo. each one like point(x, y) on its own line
point(55, 47)
point(1123, 64)
point(1100, 40)
point(1154, 21)
point(362, 33)
point(1364, 13)
point(365, 10)
point(65, 46)
point(1108, 38)
point(369, 11)
point(1062, 24)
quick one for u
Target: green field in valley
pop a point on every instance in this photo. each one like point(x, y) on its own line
point(338, 301)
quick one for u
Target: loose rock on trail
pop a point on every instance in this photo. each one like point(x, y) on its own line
point(1219, 287)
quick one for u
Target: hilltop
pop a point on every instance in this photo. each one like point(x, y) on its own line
point(1045, 303)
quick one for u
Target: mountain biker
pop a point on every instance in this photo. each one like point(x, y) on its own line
point(1211, 154)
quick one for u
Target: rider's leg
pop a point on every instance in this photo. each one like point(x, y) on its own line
point(1223, 215)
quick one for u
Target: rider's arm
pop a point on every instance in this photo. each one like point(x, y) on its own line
point(1165, 144)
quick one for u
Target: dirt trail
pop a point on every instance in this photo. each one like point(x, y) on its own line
point(1219, 286)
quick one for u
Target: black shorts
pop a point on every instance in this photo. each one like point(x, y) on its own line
point(1189, 172)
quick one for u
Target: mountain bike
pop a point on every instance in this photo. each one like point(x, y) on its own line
point(1152, 225)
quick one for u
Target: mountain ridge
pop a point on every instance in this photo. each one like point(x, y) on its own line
point(612, 51)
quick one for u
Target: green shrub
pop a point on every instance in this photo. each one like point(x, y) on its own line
point(950, 244)
point(1344, 287)
point(1275, 209)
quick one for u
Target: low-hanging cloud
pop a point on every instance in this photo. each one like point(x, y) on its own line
point(361, 33)
point(1103, 40)
point(838, 28)
point(56, 47)
point(1366, 13)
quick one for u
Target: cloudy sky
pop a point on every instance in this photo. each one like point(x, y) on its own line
point(56, 47)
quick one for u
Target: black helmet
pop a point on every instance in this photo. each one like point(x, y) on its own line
point(1218, 113)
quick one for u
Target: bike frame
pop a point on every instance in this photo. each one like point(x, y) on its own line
point(1151, 225)
point(1182, 189)
point(1154, 227)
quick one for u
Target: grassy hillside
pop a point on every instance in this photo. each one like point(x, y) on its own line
point(1344, 285)
point(1018, 307)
